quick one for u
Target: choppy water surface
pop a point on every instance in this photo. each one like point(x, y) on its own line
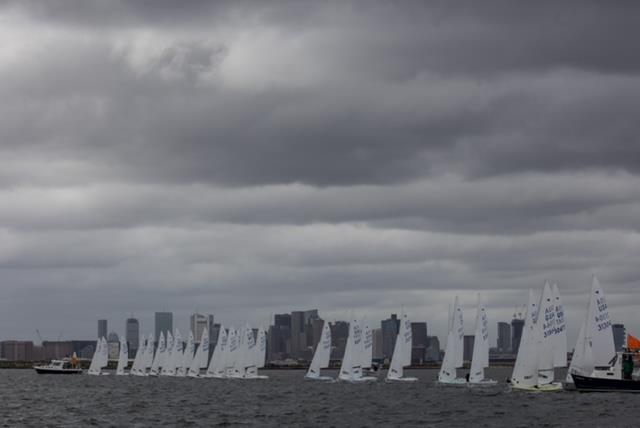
point(286, 399)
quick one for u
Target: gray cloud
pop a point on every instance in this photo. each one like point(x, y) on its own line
point(236, 156)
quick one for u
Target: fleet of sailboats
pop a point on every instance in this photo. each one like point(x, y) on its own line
point(239, 354)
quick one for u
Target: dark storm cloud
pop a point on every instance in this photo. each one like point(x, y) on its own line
point(269, 156)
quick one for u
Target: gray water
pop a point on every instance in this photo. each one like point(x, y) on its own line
point(286, 399)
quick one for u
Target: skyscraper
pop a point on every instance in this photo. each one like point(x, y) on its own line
point(390, 329)
point(132, 336)
point(279, 338)
point(163, 323)
point(339, 334)
point(619, 336)
point(300, 321)
point(516, 334)
point(197, 324)
point(102, 328)
point(504, 337)
point(468, 343)
point(418, 342)
point(433, 349)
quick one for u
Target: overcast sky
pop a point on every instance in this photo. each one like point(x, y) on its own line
point(249, 158)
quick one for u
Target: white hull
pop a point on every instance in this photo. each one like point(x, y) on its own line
point(360, 379)
point(401, 379)
point(320, 378)
point(550, 387)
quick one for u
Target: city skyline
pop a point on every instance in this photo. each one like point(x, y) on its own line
point(252, 157)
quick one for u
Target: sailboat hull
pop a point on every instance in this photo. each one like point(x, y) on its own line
point(484, 382)
point(549, 387)
point(592, 384)
point(401, 379)
point(320, 378)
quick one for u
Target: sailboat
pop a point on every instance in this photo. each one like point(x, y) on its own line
point(259, 354)
point(321, 356)
point(453, 353)
point(351, 369)
point(169, 363)
point(525, 371)
point(123, 358)
point(217, 365)
point(401, 352)
point(137, 368)
point(595, 346)
point(232, 352)
point(187, 356)
point(560, 332)
point(158, 360)
point(367, 346)
point(202, 356)
point(95, 367)
point(534, 369)
point(148, 357)
point(480, 359)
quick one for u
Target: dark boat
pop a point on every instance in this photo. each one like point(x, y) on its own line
point(598, 384)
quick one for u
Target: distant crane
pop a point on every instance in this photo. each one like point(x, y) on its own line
point(39, 336)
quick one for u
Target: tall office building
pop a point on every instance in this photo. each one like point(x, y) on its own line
point(300, 320)
point(132, 336)
point(390, 329)
point(339, 334)
point(468, 342)
point(377, 344)
point(419, 342)
point(163, 323)
point(433, 349)
point(197, 324)
point(279, 337)
point(516, 334)
point(102, 328)
point(210, 326)
point(619, 336)
point(504, 337)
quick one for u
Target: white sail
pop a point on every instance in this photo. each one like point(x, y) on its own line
point(402, 351)
point(351, 369)
point(454, 348)
point(217, 363)
point(232, 352)
point(546, 326)
point(261, 348)
point(560, 333)
point(480, 359)
point(158, 360)
point(104, 360)
point(249, 369)
point(202, 355)
point(366, 350)
point(525, 371)
point(149, 355)
point(595, 345)
point(187, 356)
point(123, 357)
point(138, 361)
point(168, 363)
point(178, 352)
point(322, 354)
point(95, 366)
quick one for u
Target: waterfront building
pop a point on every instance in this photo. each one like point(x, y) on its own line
point(390, 328)
point(516, 334)
point(504, 337)
point(102, 328)
point(163, 323)
point(132, 336)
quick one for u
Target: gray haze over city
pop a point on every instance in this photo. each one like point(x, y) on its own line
point(245, 159)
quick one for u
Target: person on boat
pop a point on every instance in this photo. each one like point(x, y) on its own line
point(627, 366)
point(467, 377)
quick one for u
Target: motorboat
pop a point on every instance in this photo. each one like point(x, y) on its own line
point(65, 366)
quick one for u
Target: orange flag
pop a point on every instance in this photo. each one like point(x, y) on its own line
point(633, 343)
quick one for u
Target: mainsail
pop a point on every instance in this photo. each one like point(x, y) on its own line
point(322, 355)
point(480, 358)
point(595, 345)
